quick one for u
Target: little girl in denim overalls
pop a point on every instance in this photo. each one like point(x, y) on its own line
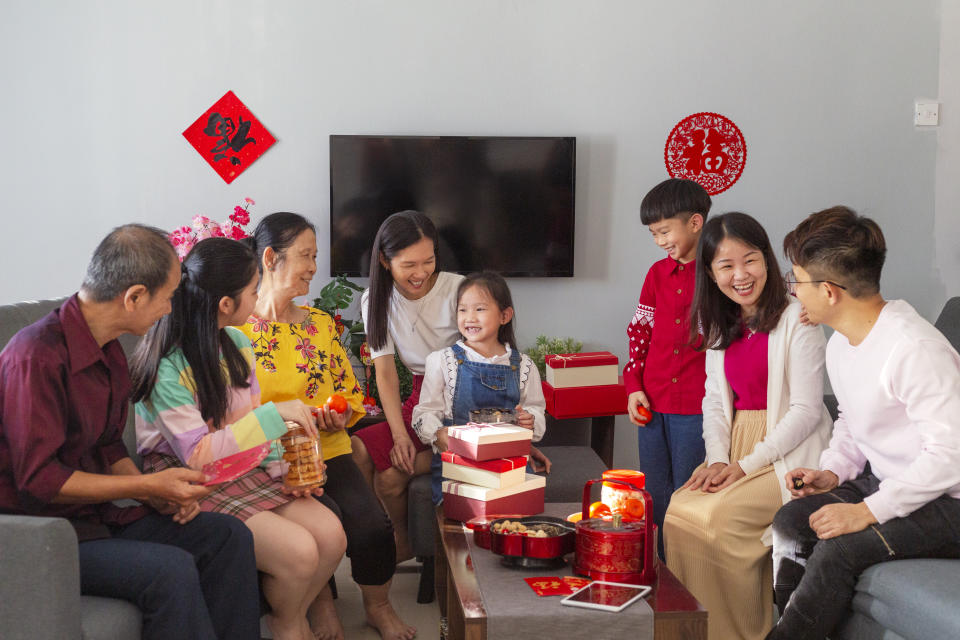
point(482, 370)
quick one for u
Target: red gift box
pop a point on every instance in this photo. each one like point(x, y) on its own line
point(497, 474)
point(489, 441)
point(462, 501)
point(586, 402)
point(582, 369)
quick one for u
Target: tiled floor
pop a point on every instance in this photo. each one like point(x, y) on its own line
point(425, 617)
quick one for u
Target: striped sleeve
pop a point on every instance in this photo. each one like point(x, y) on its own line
point(173, 413)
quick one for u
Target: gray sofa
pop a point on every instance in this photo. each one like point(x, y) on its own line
point(40, 585)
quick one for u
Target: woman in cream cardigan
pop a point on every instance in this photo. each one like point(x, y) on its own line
point(763, 414)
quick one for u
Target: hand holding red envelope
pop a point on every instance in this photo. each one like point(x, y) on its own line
point(232, 467)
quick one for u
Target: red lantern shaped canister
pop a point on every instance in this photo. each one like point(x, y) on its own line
point(614, 550)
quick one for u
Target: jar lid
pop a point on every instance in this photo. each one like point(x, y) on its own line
point(632, 476)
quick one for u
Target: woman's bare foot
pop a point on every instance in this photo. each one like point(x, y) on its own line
point(384, 619)
point(324, 623)
point(285, 630)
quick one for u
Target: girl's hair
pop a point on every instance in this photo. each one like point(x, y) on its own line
point(278, 231)
point(719, 317)
point(494, 284)
point(397, 232)
point(214, 268)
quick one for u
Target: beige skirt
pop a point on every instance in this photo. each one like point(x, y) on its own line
point(713, 542)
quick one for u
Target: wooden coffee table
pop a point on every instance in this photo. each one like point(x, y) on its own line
point(676, 613)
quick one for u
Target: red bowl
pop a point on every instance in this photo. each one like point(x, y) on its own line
point(523, 546)
point(480, 526)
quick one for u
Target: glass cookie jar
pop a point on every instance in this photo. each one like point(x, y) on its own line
point(305, 459)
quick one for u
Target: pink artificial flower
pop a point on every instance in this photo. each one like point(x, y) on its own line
point(237, 233)
point(215, 232)
point(199, 221)
point(240, 215)
point(249, 201)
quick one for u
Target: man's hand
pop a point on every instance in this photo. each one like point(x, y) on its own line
point(186, 513)
point(813, 481)
point(834, 520)
point(703, 477)
point(175, 485)
point(634, 400)
point(725, 478)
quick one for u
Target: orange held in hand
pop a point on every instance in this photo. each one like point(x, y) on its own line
point(336, 402)
point(644, 413)
point(598, 510)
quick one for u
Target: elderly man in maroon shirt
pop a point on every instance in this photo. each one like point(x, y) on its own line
point(64, 389)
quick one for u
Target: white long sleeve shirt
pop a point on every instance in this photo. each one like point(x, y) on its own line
point(440, 381)
point(899, 401)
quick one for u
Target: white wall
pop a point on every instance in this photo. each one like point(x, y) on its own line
point(947, 218)
point(96, 94)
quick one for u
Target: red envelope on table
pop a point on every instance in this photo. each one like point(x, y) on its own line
point(549, 586)
point(575, 582)
point(232, 467)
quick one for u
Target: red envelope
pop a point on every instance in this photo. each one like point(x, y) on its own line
point(549, 586)
point(576, 583)
point(232, 467)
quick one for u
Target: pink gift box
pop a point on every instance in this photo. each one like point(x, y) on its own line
point(497, 474)
point(489, 441)
point(462, 501)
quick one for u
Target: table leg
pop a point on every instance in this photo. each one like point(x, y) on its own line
point(601, 438)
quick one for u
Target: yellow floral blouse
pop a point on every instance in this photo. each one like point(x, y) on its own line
point(305, 361)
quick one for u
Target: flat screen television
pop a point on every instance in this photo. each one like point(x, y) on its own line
point(499, 203)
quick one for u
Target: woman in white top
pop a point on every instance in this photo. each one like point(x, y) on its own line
point(763, 414)
point(409, 310)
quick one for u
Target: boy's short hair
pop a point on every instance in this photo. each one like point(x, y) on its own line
point(673, 197)
point(840, 245)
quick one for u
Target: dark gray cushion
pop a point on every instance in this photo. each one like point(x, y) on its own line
point(572, 467)
point(109, 619)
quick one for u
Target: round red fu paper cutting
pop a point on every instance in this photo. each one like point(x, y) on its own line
point(707, 148)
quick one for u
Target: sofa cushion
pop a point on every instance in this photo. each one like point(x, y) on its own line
point(109, 619)
point(572, 467)
point(916, 599)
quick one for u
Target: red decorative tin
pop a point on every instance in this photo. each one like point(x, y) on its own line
point(617, 551)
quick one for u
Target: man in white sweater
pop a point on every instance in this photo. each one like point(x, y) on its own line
point(888, 486)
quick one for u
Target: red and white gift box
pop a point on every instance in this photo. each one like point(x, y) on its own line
point(489, 441)
point(462, 501)
point(582, 369)
point(496, 474)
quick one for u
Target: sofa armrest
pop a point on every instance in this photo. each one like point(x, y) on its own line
point(40, 588)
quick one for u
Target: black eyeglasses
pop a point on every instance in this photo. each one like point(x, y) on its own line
point(792, 283)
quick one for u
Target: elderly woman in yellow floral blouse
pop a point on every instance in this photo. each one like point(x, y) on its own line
point(299, 355)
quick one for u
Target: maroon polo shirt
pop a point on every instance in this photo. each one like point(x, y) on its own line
point(63, 407)
point(661, 361)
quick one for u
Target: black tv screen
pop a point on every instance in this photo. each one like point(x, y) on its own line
point(499, 203)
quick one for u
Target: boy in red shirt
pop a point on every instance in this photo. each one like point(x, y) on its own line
point(664, 374)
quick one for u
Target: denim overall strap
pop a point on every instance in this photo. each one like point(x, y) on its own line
point(481, 385)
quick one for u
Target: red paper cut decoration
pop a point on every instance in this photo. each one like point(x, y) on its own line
point(706, 148)
point(229, 137)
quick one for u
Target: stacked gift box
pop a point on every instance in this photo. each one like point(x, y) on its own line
point(484, 472)
point(584, 384)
